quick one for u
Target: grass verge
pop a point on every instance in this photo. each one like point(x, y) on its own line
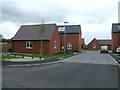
point(34, 56)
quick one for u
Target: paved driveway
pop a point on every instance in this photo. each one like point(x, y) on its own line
point(91, 57)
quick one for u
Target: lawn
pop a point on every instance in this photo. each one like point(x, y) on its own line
point(34, 56)
point(2, 58)
point(56, 55)
point(47, 56)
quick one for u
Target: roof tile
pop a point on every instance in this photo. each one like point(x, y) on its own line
point(33, 32)
point(71, 29)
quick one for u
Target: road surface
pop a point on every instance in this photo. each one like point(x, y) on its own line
point(86, 70)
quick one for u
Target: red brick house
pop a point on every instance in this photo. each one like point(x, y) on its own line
point(115, 35)
point(71, 34)
point(96, 44)
point(28, 39)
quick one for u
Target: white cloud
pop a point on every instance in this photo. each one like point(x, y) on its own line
point(8, 29)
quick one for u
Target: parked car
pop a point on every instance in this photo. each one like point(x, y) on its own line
point(118, 50)
point(104, 49)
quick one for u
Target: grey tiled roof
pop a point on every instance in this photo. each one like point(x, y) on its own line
point(33, 32)
point(116, 27)
point(71, 29)
point(105, 42)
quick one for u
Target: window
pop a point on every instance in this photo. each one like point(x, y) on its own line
point(61, 28)
point(94, 46)
point(69, 46)
point(55, 44)
point(118, 27)
point(28, 44)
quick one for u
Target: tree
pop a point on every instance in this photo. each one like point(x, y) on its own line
point(1, 36)
point(42, 30)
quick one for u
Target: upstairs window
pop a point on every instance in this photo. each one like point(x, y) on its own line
point(69, 46)
point(28, 44)
point(94, 46)
point(118, 27)
point(61, 28)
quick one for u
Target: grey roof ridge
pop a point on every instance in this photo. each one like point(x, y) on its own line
point(70, 25)
point(39, 24)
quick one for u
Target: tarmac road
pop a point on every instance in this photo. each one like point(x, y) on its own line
point(81, 71)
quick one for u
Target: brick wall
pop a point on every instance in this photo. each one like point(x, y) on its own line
point(20, 47)
point(55, 37)
point(48, 46)
point(74, 39)
point(98, 45)
point(115, 40)
point(94, 42)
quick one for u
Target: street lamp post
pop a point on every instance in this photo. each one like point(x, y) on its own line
point(65, 38)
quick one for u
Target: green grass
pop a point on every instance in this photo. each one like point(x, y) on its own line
point(90, 50)
point(2, 58)
point(49, 56)
point(34, 56)
point(56, 55)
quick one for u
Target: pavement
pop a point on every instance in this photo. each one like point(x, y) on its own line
point(25, 59)
point(28, 61)
point(116, 57)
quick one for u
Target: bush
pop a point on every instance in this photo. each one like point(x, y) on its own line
point(10, 50)
point(114, 51)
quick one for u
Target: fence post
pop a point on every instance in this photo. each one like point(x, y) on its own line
point(23, 55)
point(9, 57)
point(32, 56)
point(40, 57)
point(2, 57)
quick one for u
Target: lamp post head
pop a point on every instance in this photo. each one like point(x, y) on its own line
point(66, 22)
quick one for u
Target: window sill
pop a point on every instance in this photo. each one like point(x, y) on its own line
point(55, 47)
point(28, 48)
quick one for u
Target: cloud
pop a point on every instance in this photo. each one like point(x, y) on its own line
point(94, 16)
point(24, 13)
point(87, 11)
point(8, 29)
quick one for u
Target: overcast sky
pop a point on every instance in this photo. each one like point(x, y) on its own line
point(94, 16)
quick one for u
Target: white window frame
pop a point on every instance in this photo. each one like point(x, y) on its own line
point(55, 44)
point(61, 28)
point(118, 26)
point(69, 45)
point(28, 44)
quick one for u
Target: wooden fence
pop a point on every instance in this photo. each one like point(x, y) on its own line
point(6, 47)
